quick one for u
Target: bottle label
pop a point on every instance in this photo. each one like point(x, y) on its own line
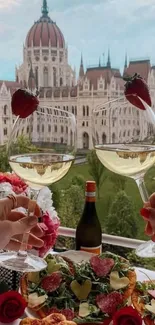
point(94, 250)
point(90, 194)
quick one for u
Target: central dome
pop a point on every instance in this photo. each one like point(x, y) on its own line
point(45, 32)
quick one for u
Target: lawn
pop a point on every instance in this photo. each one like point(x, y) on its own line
point(107, 193)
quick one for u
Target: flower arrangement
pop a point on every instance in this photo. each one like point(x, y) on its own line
point(12, 184)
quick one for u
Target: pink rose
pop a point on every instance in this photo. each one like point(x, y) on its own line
point(50, 228)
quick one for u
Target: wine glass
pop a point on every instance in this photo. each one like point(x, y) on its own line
point(41, 150)
point(124, 140)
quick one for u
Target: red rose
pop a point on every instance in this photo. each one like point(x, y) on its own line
point(127, 316)
point(12, 306)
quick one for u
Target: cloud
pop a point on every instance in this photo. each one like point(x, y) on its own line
point(89, 26)
point(8, 4)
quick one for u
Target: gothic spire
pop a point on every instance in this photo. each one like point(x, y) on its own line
point(109, 60)
point(45, 8)
point(81, 72)
point(81, 64)
point(126, 61)
point(99, 62)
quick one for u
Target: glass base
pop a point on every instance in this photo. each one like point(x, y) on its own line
point(22, 262)
point(146, 250)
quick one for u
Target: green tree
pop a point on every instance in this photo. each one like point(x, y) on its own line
point(4, 163)
point(71, 206)
point(56, 195)
point(96, 170)
point(70, 210)
point(121, 220)
point(78, 180)
point(119, 182)
point(22, 145)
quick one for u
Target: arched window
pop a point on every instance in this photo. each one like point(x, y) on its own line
point(83, 110)
point(113, 138)
point(85, 140)
point(87, 110)
point(36, 76)
point(45, 77)
point(54, 77)
point(61, 82)
point(104, 138)
point(5, 109)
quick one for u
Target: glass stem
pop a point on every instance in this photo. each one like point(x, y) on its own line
point(23, 248)
point(142, 189)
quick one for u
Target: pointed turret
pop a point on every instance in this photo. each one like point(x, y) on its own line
point(99, 62)
point(81, 72)
point(126, 61)
point(125, 66)
point(109, 60)
point(45, 8)
point(31, 80)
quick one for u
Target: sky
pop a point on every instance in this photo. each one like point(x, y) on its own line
point(90, 27)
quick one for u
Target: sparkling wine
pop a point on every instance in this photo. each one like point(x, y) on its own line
point(132, 160)
point(88, 231)
point(41, 168)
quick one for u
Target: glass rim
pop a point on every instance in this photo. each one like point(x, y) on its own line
point(100, 107)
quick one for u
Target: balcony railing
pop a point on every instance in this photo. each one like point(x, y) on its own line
point(106, 239)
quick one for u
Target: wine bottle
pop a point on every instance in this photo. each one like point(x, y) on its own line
point(88, 231)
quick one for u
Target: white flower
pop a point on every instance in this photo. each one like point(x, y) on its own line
point(45, 199)
point(5, 189)
point(46, 203)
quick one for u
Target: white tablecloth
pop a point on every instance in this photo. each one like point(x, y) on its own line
point(144, 274)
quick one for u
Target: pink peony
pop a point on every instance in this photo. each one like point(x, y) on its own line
point(50, 228)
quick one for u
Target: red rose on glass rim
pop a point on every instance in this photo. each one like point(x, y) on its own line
point(127, 316)
point(12, 306)
point(24, 103)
